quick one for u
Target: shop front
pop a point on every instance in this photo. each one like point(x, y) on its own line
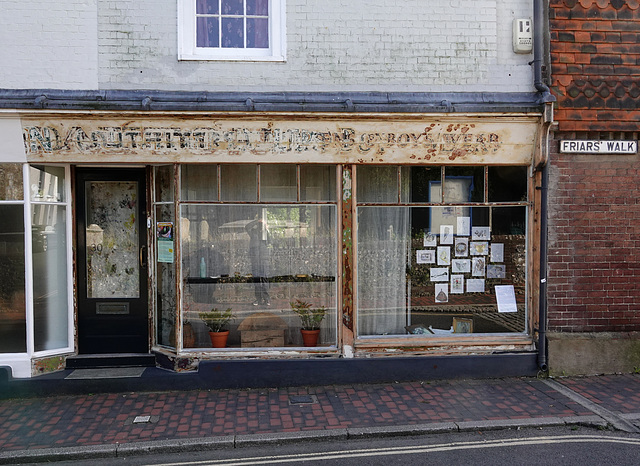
point(383, 234)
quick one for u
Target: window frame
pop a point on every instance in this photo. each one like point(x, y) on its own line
point(187, 49)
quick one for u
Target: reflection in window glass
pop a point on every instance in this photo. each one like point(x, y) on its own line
point(278, 183)
point(12, 297)
point(508, 184)
point(199, 182)
point(256, 260)
point(238, 183)
point(50, 300)
point(47, 183)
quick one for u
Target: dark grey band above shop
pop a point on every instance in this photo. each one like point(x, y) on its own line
point(357, 102)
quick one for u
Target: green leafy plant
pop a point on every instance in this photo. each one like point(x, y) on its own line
point(217, 320)
point(310, 317)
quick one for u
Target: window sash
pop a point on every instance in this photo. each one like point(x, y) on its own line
point(187, 41)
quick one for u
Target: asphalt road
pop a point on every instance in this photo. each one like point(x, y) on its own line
point(549, 446)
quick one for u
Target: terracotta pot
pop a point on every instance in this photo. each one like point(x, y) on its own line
point(310, 337)
point(219, 339)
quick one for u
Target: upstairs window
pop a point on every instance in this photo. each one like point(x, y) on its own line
point(231, 30)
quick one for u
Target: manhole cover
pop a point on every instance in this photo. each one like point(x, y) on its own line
point(302, 399)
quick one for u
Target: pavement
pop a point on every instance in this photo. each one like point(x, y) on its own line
point(109, 425)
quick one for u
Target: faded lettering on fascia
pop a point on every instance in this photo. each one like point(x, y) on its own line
point(450, 142)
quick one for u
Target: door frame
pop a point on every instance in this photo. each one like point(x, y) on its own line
point(138, 174)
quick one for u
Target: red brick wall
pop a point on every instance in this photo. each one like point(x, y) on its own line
point(594, 242)
point(595, 64)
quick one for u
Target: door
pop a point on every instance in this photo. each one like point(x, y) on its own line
point(113, 314)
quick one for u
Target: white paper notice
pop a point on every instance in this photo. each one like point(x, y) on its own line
point(464, 224)
point(506, 298)
point(475, 285)
point(497, 252)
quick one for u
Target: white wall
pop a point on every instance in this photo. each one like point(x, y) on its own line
point(48, 44)
point(332, 45)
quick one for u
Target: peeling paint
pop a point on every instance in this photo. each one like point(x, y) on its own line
point(347, 249)
point(324, 140)
point(46, 365)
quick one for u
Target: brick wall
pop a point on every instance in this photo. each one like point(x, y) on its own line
point(48, 44)
point(594, 242)
point(595, 55)
point(332, 45)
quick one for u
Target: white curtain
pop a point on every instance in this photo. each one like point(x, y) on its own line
point(383, 252)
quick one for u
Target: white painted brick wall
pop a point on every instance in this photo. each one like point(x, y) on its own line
point(332, 45)
point(48, 44)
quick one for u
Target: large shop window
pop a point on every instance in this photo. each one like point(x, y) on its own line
point(441, 250)
point(50, 265)
point(258, 242)
point(13, 317)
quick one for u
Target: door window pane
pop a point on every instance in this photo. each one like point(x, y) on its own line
point(164, 183)
point(12, 297)
point(166, 285)
point(112, 239)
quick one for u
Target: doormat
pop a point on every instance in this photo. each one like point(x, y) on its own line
point(106, 373)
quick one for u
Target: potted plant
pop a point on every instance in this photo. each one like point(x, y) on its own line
point(311, 318)
point(217, 321)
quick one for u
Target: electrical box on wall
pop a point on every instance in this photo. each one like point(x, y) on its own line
point(522, 35)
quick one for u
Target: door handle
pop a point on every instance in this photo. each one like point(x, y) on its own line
point(143, 257)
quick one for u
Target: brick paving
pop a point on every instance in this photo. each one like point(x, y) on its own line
point(617, 393)
point(63, 421)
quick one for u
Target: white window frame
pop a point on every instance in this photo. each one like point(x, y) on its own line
point(187, 49)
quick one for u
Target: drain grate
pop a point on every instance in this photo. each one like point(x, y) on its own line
point(302, 399)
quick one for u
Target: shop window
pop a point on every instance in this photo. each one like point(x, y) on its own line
point(199, 183)
point(507, 184)
point(318, 183)
point(278, 183)
point(166, 305)
point(49, 253)
point(13, 323)
point(238, 183)
point(231, 30)
point(439, 264)
point(257, 258)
